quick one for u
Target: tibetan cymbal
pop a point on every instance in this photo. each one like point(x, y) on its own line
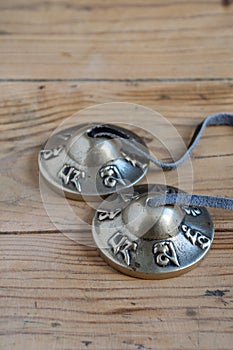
point(92, 160)
point(151, 242)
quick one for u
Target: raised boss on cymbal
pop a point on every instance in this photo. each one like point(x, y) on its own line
point(151, 242)
point(92, 160)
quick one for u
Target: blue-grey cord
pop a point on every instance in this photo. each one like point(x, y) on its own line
point(212, 120)
point(187, 199)
point(191, 200)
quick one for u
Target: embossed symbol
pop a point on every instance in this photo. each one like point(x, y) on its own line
point(65, 137)
point(195, 237)
point(107, 215)
point(133, 162)
point(111, 176)
point(194, 211)
point(122, 244)
point(71, 175)
point(51, 153)
point(165, 253)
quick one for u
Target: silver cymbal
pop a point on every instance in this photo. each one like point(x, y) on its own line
point(147, 242)
point(92, 160)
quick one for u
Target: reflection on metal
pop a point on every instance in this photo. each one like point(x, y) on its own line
point(151, 242)
point(122, 244)
point(96, 151)
point(71, 175)
point(165, 253)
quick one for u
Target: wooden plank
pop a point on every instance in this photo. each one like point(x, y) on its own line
point(61, 295)
point(116, 40)
point(56, 58)
point(30, 112)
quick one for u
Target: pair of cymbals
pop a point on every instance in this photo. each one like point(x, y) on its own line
point(93, 161)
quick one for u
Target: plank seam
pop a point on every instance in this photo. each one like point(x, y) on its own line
point(114, 80)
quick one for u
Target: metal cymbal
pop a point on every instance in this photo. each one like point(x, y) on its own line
point(92, 160)
point(147, 242)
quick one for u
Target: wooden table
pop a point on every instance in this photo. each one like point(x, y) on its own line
point(57, 57)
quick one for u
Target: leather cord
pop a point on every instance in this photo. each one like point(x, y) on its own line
point(191, 200)
point(212, 120)
point(187, 199)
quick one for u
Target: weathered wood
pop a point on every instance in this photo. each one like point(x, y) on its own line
point(116, 39)
point(30, 112)
point(56, 58)
point(58, 293)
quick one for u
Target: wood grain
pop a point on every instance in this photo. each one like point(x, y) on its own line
point(56, 58)
point(99, 40)
point(55, 291)
point(31, 113)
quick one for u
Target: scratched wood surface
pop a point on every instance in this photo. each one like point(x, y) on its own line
point(56, 58)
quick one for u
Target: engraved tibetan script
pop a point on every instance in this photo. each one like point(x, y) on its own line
point(65, 136)
point(193, 211)
point(133, 162)
point(111, 176)
point(164, 253)
point(195, 237)
point(120, 243)
point(51, 153)
point(71, 175)
point(107, 215)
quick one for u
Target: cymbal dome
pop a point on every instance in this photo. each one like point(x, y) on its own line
point(86, 150)
point(148, 222)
